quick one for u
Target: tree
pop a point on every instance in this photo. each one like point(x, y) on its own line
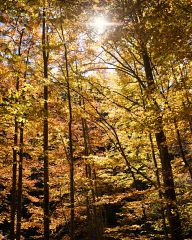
point(45, 51)
point(138, 36)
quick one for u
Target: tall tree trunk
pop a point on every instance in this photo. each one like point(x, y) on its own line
point(20, 183)
point(94, 215)
point(15, 151)
point(169, 189)
point(165, 157)
point(87, 151)
point(14, 182)
point(71, 159)
point(88, 176)
point(45, 129)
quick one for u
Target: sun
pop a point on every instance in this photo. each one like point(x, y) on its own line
point(99, 23)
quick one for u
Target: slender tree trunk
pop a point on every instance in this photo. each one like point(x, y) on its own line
point(94, 214)
point(88, 176)
point(14, 182)
point(159, 187)
point(71, 159)
point(126, 160)
point(20, 163)
point(121, 150)
point(20, 183)
point(15, 151)
point(118, 145)
point(169, 188)
point(87, 151)
point(45, 131)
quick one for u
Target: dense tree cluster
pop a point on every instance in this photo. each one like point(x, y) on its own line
point(95, 130)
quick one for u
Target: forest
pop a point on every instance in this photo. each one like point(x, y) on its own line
point(96, 119)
